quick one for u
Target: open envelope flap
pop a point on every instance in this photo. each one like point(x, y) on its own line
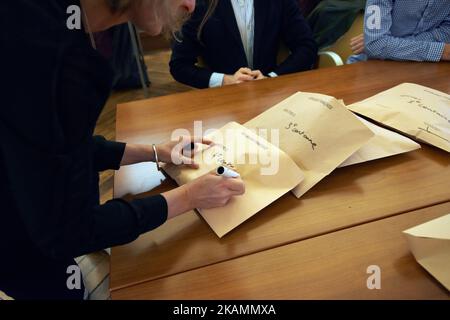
point(384, 144)
point(430, 245)
point(316, 131)
point(265, 181)
point(438, 229)
point(433, 255)
point(420, 112)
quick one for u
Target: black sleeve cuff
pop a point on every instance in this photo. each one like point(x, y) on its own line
point(107, 154)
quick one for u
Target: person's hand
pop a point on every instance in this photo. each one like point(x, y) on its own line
point(206, 192)
point(242, 75)
point(258, 75)
point(181, 151)
point(357, 44)
point(446, 53)
point(211, 191)
point(176, 152)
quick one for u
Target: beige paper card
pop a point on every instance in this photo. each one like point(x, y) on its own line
point(268, 174)
point(384, 144)
point(316, 131)
point(430, 245)
point(418, 111)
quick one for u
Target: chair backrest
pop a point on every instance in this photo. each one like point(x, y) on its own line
point(342, 45)
point(3, 296)
point(328, 59)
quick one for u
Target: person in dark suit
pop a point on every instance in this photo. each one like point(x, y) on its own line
point(241, 42)
point(49, 159)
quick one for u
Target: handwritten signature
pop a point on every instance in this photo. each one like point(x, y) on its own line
point(419, 103)
point(294, 128)
point(220, 158)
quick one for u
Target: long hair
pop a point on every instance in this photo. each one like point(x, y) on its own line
point(122, 5)
point(211, 8)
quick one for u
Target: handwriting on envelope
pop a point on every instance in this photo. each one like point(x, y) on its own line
point(420, 112)
point(316, 131)
point(268, 174)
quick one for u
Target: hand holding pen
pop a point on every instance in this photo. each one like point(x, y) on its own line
point(227, 172)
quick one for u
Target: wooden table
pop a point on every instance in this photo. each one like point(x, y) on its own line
point(315, 247)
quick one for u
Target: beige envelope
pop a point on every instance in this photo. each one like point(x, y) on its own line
point(316, 131)
point(430, 245)
point(266, 179)
point(418, 111)
point(384, 144)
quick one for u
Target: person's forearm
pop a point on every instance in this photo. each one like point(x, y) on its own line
point(178, 201)
point(395, 48)
point(136, 153)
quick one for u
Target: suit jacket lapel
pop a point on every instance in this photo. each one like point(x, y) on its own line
point(261, 10)
point(227, 12)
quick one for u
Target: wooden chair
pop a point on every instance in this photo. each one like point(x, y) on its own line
point(338, 53)
point(325, 58)
point(3, 296)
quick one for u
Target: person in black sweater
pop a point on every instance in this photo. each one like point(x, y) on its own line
point(53, 90)
point(241, 42)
